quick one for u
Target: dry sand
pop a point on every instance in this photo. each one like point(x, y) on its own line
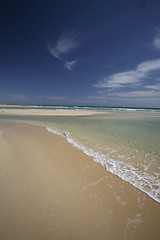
point(48, 112)
point(49, 190)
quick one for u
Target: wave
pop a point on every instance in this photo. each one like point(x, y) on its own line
point(148, 184)
point(98, 108)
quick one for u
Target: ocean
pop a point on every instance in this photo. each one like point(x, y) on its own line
point(126, 141)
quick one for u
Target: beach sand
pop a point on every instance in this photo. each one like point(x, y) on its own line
point(51, 190)
point(48, 112)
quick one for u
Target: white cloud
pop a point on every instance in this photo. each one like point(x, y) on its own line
point(65, 45)
point(118, 80)
point(135, 94)
point(149, 66)
point(130, 78)
point(129, 94)
point(98, 97)
point(156, 42)
point(70, 64)
point(155, 87)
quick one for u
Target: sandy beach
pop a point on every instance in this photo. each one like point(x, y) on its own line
point(51, 190)
point(47, 112)
point(80, 120)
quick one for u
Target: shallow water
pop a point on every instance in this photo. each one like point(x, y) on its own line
point(125, 143)
point(128, 148)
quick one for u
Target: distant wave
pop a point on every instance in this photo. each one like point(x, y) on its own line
point(98, 108)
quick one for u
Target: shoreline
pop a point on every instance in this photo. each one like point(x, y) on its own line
point(92, 154)
point(20, 110)
point(76, 187)
point(69, 114)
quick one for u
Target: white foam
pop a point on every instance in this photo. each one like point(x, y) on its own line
point(125, 171)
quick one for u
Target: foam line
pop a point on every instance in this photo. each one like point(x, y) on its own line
point(125, 171)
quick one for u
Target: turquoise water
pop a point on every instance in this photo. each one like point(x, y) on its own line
point(80, 108)
point(125, 142)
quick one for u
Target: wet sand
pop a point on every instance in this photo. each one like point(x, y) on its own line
point(51, 190)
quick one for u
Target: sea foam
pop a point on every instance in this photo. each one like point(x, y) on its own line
point(139, 179)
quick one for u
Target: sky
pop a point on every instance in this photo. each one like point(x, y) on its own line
point(83, 52)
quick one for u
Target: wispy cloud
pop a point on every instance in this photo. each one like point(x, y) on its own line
point(132, 88)
point(15, 96)
point(135, 94)
point(65, 45)
point(14, 99)
point(70, 64)
point(140, 98)
point(52, 98)
point(149, 66)
point(155, 87)
point(118, 80)
point(156, 42)
point(130, 78)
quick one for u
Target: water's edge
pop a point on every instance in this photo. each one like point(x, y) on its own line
point(110, 166)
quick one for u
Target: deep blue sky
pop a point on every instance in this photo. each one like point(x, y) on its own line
point(97, 52)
